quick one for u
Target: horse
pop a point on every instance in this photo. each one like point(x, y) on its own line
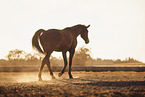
point(58, 40)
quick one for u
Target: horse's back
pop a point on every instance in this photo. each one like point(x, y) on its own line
point(52, 35)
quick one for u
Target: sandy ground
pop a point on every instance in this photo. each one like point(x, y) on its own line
point(91, 84)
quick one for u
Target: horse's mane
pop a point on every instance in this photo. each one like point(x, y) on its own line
point(74, 27)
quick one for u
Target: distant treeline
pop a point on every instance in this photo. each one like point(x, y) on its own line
point(82, 58)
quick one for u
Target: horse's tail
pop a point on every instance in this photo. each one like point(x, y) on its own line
point(35, 40)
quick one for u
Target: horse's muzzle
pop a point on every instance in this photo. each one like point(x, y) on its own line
point(87, 41)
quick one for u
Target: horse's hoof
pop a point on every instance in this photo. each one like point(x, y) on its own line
point(40, 79)
point(53, 77)
point(70, 77)
point(60, 74)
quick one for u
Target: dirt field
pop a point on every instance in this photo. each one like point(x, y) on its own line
point(94, 84)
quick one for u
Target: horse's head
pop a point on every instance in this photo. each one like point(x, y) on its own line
point(84, 34)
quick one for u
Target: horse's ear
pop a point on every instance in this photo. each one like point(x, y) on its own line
point(88, 26)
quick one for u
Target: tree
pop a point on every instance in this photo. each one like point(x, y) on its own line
point(82, 56)
point(16, 54)
point(29, 57)
point(118, 61)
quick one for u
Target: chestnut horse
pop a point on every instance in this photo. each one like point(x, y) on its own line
point(59, 40)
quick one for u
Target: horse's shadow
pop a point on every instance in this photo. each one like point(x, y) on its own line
point(83, 81)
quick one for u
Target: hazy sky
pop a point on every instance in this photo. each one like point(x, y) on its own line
point(117, 26)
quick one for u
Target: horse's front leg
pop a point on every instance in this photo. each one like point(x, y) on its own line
point(65, 64)
point(70, 63)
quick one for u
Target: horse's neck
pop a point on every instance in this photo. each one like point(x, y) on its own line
point(76, 32)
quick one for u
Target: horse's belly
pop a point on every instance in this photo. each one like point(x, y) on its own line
point(62, 48)
point(64, 44)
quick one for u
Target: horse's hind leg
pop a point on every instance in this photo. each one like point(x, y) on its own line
point(65, 64)
point(48, 65)
point(41, 68)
